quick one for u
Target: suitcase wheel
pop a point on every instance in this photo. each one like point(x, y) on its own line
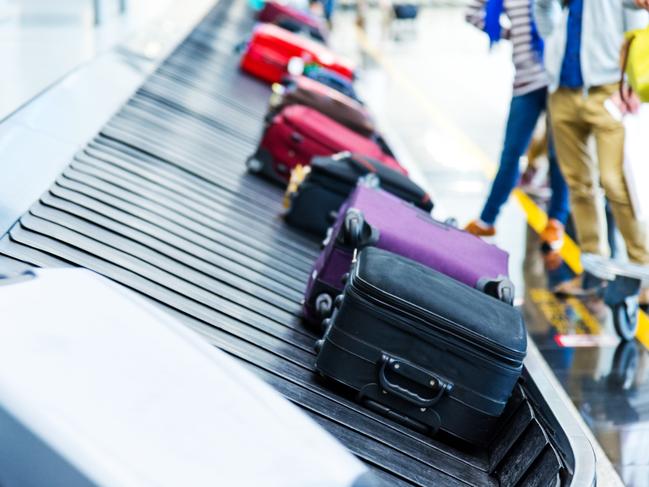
point(625, 319)
point(625, 365)
point(358, 233)
point(354, 228)
point(323, 305)
point(254, 165)
point(621, 296)
point(452, 222)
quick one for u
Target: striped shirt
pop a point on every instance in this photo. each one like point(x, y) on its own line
point(530, 74)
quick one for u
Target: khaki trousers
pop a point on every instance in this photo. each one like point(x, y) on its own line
point(575, 116)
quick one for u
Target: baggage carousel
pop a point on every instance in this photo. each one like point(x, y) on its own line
point(159, 201)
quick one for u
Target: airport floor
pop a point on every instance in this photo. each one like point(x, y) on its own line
point(444, 95)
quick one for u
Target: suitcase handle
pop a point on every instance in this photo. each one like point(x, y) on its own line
point(357, 233)
point(413, 374)
point(362, 164)
point(268, 58)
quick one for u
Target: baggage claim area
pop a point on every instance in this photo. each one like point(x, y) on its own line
point(184, 302)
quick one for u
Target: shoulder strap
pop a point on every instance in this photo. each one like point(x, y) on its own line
point(625, 62)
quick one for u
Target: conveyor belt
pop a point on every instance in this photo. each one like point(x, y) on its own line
point(160, 202)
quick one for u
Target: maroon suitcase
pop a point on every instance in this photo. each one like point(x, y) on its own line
point(300, 90)
point(298, 133)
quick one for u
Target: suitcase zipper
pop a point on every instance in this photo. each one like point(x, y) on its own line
point(506, 354)
point(461, 343)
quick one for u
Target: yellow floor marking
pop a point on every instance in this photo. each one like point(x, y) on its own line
point(556, 313)
point(536, 217)
point(589, 321)
point(642, 335)
point(552, 309)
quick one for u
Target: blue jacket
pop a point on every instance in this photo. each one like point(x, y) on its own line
point(603, 26)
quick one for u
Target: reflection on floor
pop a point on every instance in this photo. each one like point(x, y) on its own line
point(608, 380)
point(442, 94)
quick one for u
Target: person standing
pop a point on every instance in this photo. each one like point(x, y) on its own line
point(528, 103)
point(583, 40)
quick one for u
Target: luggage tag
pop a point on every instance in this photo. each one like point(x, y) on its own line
point(277, 92)
point(298, 174)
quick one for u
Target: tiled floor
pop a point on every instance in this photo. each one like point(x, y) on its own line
point(608, 383)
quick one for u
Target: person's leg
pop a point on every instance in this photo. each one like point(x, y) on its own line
point(609, 136)
point(328, 7)
point(559, 207)
point(561, 278)
point(523, 115)
point(361, 13)
point(570, 134)
point(558, 214)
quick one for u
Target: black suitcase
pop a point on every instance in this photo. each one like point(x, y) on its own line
point(422, 348)
point(332, 179)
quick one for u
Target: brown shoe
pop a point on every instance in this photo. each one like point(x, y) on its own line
point(552, 237)
point(480, 229)
point(553, 234)
point(552, 259)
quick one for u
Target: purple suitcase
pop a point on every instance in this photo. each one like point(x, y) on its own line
point(371, 216)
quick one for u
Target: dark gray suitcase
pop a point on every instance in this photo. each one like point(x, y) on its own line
point(333, 178)
point(422, 348)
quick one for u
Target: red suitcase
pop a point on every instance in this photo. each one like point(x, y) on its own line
point(276, 13)
point(298, 133)
point(271, 48)
point(300, 90)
